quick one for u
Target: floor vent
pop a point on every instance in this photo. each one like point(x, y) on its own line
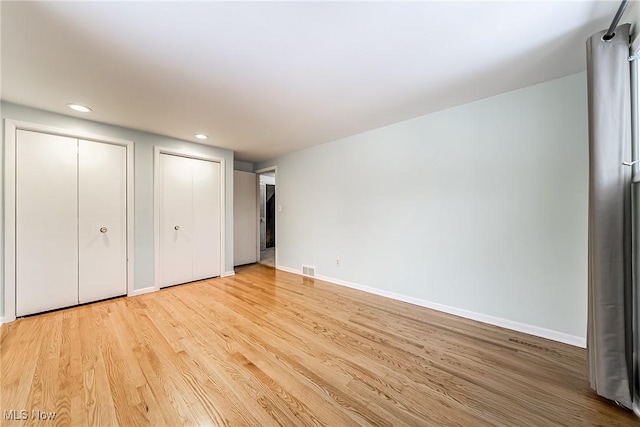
point(308, 271)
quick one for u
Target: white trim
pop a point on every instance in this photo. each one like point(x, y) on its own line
point(228, 274)
point(273, 169)
point(34, 127)
point(467, 314)
point(267, 169)
point(130, 217)
point(292, 270)
point(157, 151)
point(2, 285)
point(258, 201)
point(142, 291)
point(156, 217)
point(11, 127)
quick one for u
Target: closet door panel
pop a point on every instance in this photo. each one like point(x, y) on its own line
point(245, 217)
point(102, 215)
point(176, 222)
point(46, 222)
point(206, 219)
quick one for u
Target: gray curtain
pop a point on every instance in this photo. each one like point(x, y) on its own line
point(609, 334)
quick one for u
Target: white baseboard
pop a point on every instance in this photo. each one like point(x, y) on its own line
point(479, 317)
point(228, 273)
point(142, 291)
point(290, 270)
point(5, 319)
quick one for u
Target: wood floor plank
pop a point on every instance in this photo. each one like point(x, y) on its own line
point(268, 348)
point(352, 347)
point(224, 371)
point(281, 352)
point(98, 399)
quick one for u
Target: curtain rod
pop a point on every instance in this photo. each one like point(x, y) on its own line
point(612, 28)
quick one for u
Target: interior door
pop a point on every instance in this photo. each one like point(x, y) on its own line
point(245, 213)
point(46, 222)
point(206, 219)
point(102, 220)
point(176, 222)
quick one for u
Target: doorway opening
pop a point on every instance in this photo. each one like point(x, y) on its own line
point(267, 209)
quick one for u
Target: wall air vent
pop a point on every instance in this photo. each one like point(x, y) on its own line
point(308, 271)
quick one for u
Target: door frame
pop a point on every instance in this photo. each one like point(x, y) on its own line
point(157, 151)
point(11, 127)
point(273, 169)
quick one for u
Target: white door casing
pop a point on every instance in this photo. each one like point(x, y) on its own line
point(263, 216)
point(261, 225)
point(102, 216)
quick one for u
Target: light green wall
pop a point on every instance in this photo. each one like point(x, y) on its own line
point(243, 166)
point(481, 207)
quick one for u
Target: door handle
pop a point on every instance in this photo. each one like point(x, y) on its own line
point(177, 227)
point(103, 229)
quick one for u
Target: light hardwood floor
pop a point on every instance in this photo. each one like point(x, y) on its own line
point(268, 348)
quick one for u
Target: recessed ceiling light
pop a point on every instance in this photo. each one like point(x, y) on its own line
point(201, 136)
point(80, 108)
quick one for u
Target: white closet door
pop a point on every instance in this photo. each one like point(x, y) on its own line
point(46, 222)
point(206, 219)
point(102, 216)
point(245, 217)
point(176, 222)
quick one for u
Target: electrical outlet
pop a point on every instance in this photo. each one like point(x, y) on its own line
point(338, 262)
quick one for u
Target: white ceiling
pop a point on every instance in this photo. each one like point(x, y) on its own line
point(267, 78)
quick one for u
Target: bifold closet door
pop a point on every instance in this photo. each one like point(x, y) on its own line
point(189, 219)
point(176, 237)
point(206, 219)
point(102, 216)
point(46, 222)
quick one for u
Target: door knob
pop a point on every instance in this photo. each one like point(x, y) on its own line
point(177, 227)
point(103, 229)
